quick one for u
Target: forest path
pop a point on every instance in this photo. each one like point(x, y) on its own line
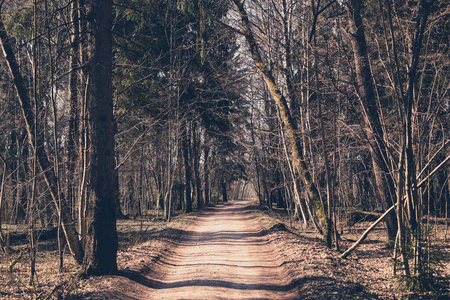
point(223, 256)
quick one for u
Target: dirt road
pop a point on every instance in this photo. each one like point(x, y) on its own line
point(224, 256)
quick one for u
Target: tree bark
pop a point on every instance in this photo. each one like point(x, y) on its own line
point(196, 162)
point(2, 191)
point(101, 244)
point(72, 135)
point(187, 170)
point(206, 176)
point(224, 190)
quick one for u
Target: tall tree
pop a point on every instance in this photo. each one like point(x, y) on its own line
point(373, 126)
point(101, 245)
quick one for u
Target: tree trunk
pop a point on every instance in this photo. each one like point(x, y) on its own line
point(224, 190)
point(72, 135)
point(328, 230)
point(20, 176)
point(101, 244)
point(206, 176)
point(373, 126)
point(187, 171)
point(196, 162)
point(2, 191)
point(299, 203)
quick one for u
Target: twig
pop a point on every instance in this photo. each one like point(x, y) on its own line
point(15, 261)
point(51, 293)
point(364, 235)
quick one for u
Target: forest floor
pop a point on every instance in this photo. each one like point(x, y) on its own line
point(231, 251)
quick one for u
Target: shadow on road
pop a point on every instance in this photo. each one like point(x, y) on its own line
point(304, 288)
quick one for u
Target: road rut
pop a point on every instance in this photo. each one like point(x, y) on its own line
point(225, 255)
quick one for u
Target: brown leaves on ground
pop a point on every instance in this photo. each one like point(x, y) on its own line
point(315, 271)
point(321, 274)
